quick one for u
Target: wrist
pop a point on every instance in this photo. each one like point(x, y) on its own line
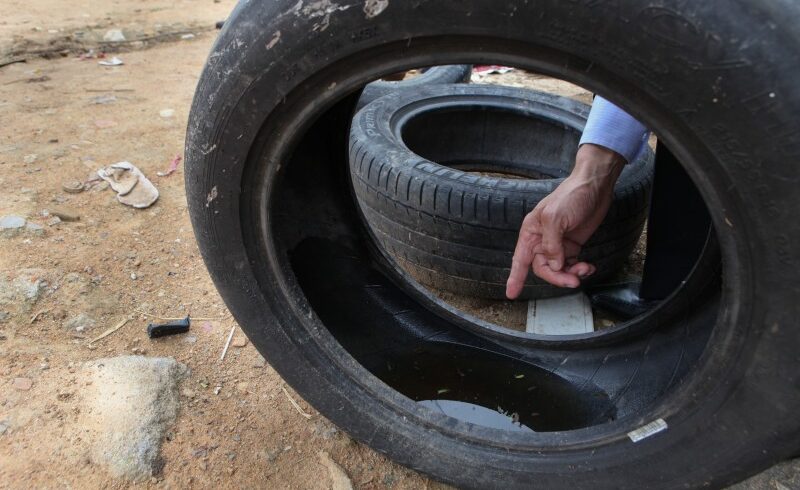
point(597, 163)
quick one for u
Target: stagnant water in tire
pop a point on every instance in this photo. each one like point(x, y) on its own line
point(437, 366)
point(490, 390)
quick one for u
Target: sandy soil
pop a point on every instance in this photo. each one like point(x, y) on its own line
point(67, 117)
point(64, 118)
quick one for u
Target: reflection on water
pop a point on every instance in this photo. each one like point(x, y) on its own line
point(502, 390)
point(476, 414)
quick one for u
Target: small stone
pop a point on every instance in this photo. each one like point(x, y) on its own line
point(80, 322)
point(30, 158)
point(44, 366)
point(72, 187)
point(190, 339)
point(103, 99)
point(53, 221)
point(22, 384)
point(187, 36)
point(12, 221)
point(188, 393)
point(166, 113)
point(200, 452)
point(114, 36)
point(134, 276)
point(34, 229)
point(65, 214)
point(239, 342)
point(338, 477)
point(3, 427)
point(242, 386)
point(11, 225)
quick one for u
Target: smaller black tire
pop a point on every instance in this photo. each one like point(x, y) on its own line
point(435, 75)
point(425, 164)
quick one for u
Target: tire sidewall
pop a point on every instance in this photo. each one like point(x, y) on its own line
point(433, 76)
point(241, 86)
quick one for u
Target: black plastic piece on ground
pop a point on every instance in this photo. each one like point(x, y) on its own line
point(155, 330)
point(621, 299)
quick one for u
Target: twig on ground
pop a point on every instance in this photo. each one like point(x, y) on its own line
point(12, 61)
point(227, 343)
point(109, 90)
point(38, 314)
point(294, 403)
point(111, 330)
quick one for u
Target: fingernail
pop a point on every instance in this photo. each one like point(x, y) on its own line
point(571, 286)
point(553, 265)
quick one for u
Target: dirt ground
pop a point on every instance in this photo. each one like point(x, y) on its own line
point(64, 117)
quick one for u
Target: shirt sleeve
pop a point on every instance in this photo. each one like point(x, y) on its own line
point(611, 127)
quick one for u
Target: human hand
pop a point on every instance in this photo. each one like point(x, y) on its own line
point(551, 236)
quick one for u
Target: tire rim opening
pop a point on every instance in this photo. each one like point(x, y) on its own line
point(450, 361)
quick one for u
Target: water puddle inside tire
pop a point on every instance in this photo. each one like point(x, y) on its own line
point(429, 360)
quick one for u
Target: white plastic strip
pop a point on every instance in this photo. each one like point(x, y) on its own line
point(567, 315)
point(648, 430)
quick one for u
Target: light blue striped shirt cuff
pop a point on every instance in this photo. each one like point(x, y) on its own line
point(611, 127)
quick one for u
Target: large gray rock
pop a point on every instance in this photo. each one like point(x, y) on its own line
point(21, 288)
point(129, 404)
point(783, 476)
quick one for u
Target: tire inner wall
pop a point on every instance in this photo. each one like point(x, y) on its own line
point(484, 138)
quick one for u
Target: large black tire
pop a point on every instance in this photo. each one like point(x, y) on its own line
point(435, 75)
point(411, 154)
point(268, 193)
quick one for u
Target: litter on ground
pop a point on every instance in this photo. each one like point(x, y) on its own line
point(130, 184)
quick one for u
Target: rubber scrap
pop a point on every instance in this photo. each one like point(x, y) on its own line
point(155, 330)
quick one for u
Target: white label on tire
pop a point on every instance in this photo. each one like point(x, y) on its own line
point(648, 430)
